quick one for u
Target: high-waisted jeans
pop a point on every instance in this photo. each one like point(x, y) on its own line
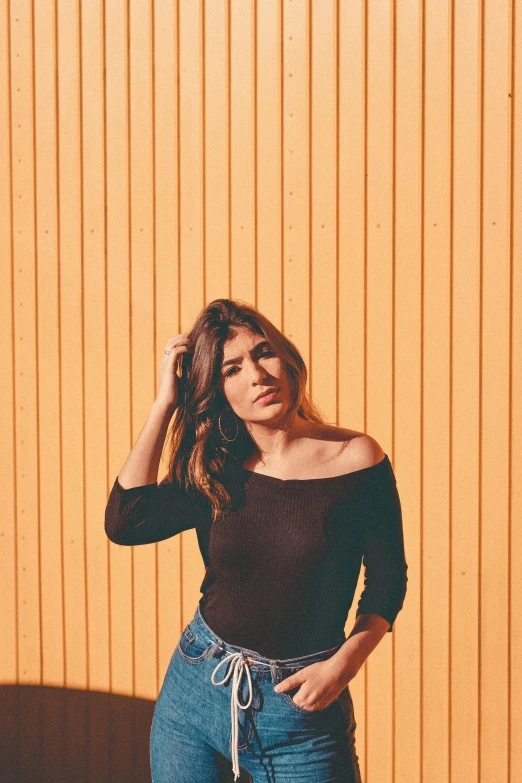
point(218, 700)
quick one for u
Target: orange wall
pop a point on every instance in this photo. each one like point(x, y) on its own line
point(352, 169)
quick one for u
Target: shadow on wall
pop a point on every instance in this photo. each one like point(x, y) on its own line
point(51, 735)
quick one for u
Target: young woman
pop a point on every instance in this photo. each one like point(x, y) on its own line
point(285, 507)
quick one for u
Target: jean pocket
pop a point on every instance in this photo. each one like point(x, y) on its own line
point(287, 696)
point(192, 648)
point(290, 693)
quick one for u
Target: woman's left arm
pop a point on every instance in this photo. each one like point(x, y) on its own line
point(366, 634)
point(381, 600)
point(386, 569)
point(324, 681)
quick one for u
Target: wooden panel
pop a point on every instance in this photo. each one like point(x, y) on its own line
point(494, 409)
point(353, 170)
point(166, 269)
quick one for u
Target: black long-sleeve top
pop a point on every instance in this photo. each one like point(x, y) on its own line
point(283, 563)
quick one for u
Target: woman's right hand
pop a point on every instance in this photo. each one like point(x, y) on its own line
point(168, 390)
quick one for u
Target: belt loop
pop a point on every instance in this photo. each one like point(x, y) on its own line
point(216, 651)
point(273, 671)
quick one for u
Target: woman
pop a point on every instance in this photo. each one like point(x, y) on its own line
point(285, 507)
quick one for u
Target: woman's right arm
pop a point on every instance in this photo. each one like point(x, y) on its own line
point(142, 464)
point(140, 511)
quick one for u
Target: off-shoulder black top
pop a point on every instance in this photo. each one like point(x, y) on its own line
point(283, 563)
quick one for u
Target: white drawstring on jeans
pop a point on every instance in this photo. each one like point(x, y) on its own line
point(237, 665)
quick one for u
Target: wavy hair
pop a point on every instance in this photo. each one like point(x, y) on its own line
point(200, 455)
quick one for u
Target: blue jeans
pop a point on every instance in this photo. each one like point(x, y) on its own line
point(218, 700)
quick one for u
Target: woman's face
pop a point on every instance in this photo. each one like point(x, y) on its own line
point(250, 367)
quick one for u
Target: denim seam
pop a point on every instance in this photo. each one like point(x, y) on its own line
point(251, 718)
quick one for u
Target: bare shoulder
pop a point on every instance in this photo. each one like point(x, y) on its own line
point(364, 451)
point(355, 450)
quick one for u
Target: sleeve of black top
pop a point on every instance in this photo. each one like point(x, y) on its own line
point(149, 513)
point(383, 550)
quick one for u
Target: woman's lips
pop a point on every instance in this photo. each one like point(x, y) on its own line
point(267, 397)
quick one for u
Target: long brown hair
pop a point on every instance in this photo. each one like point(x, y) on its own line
point(199, 455)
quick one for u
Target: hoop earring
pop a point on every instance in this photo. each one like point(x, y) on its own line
point(230, 440)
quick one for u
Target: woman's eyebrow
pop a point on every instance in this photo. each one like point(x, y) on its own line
point(240, 358)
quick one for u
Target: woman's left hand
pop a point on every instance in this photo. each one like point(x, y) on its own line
point(321, 683)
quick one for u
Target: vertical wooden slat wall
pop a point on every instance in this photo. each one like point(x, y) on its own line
point(353, 170)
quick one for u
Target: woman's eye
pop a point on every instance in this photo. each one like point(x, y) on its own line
point(261, 355)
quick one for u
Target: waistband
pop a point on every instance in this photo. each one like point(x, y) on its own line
point(240, 660)
point(255, 659)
